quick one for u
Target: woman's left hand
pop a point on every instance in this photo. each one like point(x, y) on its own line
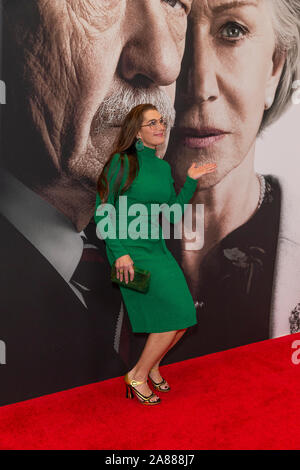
point(197, 171)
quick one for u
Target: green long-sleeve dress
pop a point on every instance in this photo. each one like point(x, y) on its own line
point(168, 305)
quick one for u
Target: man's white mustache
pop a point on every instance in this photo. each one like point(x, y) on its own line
point(114, 109)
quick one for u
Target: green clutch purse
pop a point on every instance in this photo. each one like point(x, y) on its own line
point(141, 280)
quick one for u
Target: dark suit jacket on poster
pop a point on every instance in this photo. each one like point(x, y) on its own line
point(52, 341)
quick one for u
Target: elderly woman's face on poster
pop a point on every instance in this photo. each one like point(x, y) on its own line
point(230, 72)
point(82, 65)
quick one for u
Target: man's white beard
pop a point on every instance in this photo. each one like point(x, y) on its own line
point(114, 109)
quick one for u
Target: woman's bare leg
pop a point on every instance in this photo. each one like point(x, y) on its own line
point(155, 374)
point(156, 345)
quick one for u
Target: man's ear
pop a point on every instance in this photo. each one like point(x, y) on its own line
point(276, 68)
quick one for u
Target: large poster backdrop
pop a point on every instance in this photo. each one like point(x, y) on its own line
point(70, 72)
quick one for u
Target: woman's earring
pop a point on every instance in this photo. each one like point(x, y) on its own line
point(139, 145)
point(268, 102)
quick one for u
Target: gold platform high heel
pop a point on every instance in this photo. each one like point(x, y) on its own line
point(157, 385)
point(130, 391)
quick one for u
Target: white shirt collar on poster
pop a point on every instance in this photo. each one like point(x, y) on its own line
point(47, 229)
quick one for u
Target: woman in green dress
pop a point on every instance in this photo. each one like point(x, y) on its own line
point(167, 309)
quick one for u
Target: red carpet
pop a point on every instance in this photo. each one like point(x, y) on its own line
point(244, 398)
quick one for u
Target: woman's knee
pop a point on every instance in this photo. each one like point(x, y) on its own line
point(182, 331)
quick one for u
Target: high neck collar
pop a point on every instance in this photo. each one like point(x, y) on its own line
point(148, 151)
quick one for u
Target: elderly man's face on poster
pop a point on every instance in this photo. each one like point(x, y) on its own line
point(83, 65)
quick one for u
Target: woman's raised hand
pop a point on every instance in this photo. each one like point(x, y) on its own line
point(196, 171)
point(124, 267)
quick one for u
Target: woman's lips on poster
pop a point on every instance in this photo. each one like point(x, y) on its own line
point(200, 137)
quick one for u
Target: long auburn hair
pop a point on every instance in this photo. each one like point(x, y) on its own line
point(124, 144)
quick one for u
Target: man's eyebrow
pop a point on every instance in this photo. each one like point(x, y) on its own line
point(234, 4)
